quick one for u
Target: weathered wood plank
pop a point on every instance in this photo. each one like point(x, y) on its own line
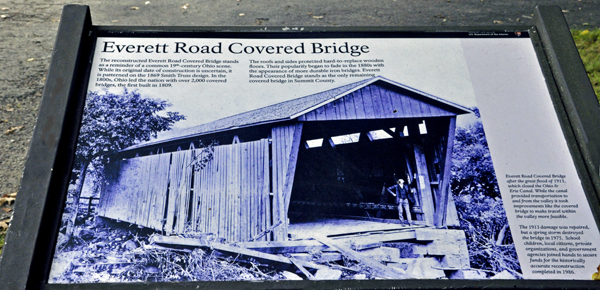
point(150, 197)
point(311, 116)
point(440, 218)
point(221, 191)
point(452, 214)
point(170, 203)
point(424, 186)
point(340, 109)
point(359, 105)
point(330, 112)
point(323, 257)
point(265, 232)
point(384, 254)
point(275, 173)
point(380, 237)
point(257, 187)
point(266, 197)
point(274, 260)
point(378, 268)
point(320, 114)
point(292, 161)
point(298, 265)
point(244, 194)
point(184, 191)
point(398, 104)
point(349, 106)
point(386, 103)
point(283, 247)
point(377, 102)
point(230, 215)
point(414, 109)
point(368, 102)
point(245, 200)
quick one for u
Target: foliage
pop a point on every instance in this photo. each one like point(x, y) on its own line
point(2, 237)
point(588, 44)
point(112, 122)
point(205, 155)
point(490, 243)
point(478, 203)
point(472, 168)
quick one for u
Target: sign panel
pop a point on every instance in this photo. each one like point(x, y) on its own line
point(222, 159)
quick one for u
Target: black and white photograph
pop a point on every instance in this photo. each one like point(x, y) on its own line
point(384, 173)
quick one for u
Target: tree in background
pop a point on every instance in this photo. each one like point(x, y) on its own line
point(112, 122)
point(479, 203)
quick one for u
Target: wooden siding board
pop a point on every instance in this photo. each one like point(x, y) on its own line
point(278, 169)
point(329, 112)
point(398, 104)
point(205, 193)
point(413, 107)
point(282, 144)
point(267, 207)
point(274, 183)
point(368, 102)
point(320, 114)
point(435, 111)
point(377, 102)
point(250, 191)
point(171, 195)
point(142, 214)
point(359, 105)
point(386, 103)
point(341, 107)
point(424, 185)
point(445, 178)
point(349, 106)
point(291, 166)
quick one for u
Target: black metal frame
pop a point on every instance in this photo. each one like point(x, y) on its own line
point(31, 239)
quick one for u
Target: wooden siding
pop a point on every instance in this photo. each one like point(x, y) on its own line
point(424, 185)
point(229, 197)
point(446, 166)
point(233, 192)
point(285, 146)
point(137, 190)
point(375, 102)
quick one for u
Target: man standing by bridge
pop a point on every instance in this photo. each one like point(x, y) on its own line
point(403, 195)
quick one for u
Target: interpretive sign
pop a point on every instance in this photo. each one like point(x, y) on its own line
point(347, 155)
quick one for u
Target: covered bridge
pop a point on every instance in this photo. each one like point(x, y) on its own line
point(326, 154)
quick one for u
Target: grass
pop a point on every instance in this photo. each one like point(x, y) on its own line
point(588, 44)
point(2, 236)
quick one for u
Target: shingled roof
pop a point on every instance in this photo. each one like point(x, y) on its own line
point(288, 110)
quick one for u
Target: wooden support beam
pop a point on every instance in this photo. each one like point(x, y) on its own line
point(379, 269)
point(298, 265)
point(261, 234)
point(380, 237)
point(395, 135)
point(178, 242)
point(323, 257)
point(306, 246)
point(444, 189)
point(282, 247)
point(237, 252)
point(291, 168)
point(423, 185)
point(270, 259)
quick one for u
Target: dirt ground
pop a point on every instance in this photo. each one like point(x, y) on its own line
point(28, 29)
